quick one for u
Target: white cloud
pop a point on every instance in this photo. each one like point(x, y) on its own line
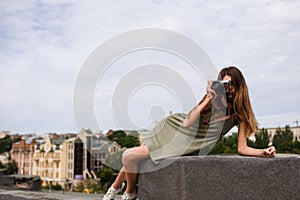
point(44, 43)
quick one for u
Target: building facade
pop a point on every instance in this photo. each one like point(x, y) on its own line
point(23, 152)
point(95, 151)
point(48, 158)
point(57, 160)
point(72, 163)
point(273, 131)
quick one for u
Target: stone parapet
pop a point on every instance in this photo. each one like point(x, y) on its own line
point(221, 177)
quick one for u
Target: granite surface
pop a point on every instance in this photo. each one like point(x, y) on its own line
point(221, 177)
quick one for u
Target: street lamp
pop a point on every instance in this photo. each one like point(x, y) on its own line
point(297, 121)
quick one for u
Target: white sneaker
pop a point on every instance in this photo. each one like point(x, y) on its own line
point(112, 193)
point(126, 196)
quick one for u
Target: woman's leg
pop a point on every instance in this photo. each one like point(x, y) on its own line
point(131, 158)
point(120, 178)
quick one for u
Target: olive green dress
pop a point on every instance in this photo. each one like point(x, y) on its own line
point(169, 138)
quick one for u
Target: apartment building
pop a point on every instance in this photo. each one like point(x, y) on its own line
point(95, 151)
point(100, 150)
point(296, 133)
point(23, 152)
point(56, 159)
point(48, 160)
point(72, 163)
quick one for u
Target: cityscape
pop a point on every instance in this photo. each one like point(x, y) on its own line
point(61, 159)
point(72, 69)
point(66, 159)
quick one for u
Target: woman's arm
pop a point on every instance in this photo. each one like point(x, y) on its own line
point(243, 148)
point(195, 113)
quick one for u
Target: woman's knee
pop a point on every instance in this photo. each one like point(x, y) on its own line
point(134, 155)
point(128, 157)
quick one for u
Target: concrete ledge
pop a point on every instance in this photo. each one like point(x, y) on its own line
point(221, 177)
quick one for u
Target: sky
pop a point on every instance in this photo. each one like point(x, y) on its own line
point(45, 44)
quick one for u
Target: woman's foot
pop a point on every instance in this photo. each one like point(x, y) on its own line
point(112, 192)
point(126, 196)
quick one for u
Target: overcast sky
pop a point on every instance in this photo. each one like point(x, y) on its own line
point(44, 44)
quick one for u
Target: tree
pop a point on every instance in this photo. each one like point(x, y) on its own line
point(218, 148)
point(283, 140)
point(261, 139)
point(230, 144)
point(1, 165)
point(92, 186)
point(5, 144)
point(226, 145)
point(12, 167)
point(296, 147)
point(123, 139)
point(106, 176)
point(79, 187)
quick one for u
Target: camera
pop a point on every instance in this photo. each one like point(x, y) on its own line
point(221, 86)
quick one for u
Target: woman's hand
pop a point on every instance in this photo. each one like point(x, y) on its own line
point(194, 114)
point(209, 92)
point(244, 149)
point(270, 152)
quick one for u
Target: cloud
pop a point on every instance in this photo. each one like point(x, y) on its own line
point(44, 43)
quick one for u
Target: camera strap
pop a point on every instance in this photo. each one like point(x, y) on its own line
point(220, 119)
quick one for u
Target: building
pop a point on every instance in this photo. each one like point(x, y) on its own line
point(57, 160)
point(100, 150)
point(72, 163)
point(48, 158)
point(86, 138)
point(273, 131)
point(95, 151)
point(22, 152)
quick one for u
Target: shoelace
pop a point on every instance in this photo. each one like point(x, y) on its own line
point(129, 196)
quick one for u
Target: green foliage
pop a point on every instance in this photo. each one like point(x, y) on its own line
point(114, 160)
point(93, 186)
point(12, 167)
point(6, 144)
point(79, 187)
point(106, 176)
point(105, 187)
point(56, 186)
point(218, 148)
point(1, 165)
point(261, 140)
point(296, 147)
point(226, 145)
point(283, 140)
point(124, 140)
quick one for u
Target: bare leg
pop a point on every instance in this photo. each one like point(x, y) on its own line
point(131, 182)
point(131, 158)
point(120, 178)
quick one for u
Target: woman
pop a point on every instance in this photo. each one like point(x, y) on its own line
point(181, 134)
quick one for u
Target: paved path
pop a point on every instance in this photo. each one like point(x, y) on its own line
point(47, 195)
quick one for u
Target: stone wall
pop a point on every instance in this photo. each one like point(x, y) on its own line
point(221, 177)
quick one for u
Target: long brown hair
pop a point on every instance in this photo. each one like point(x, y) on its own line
point(241, 103)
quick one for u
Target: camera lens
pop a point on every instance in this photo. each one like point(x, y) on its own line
point(217, 86)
